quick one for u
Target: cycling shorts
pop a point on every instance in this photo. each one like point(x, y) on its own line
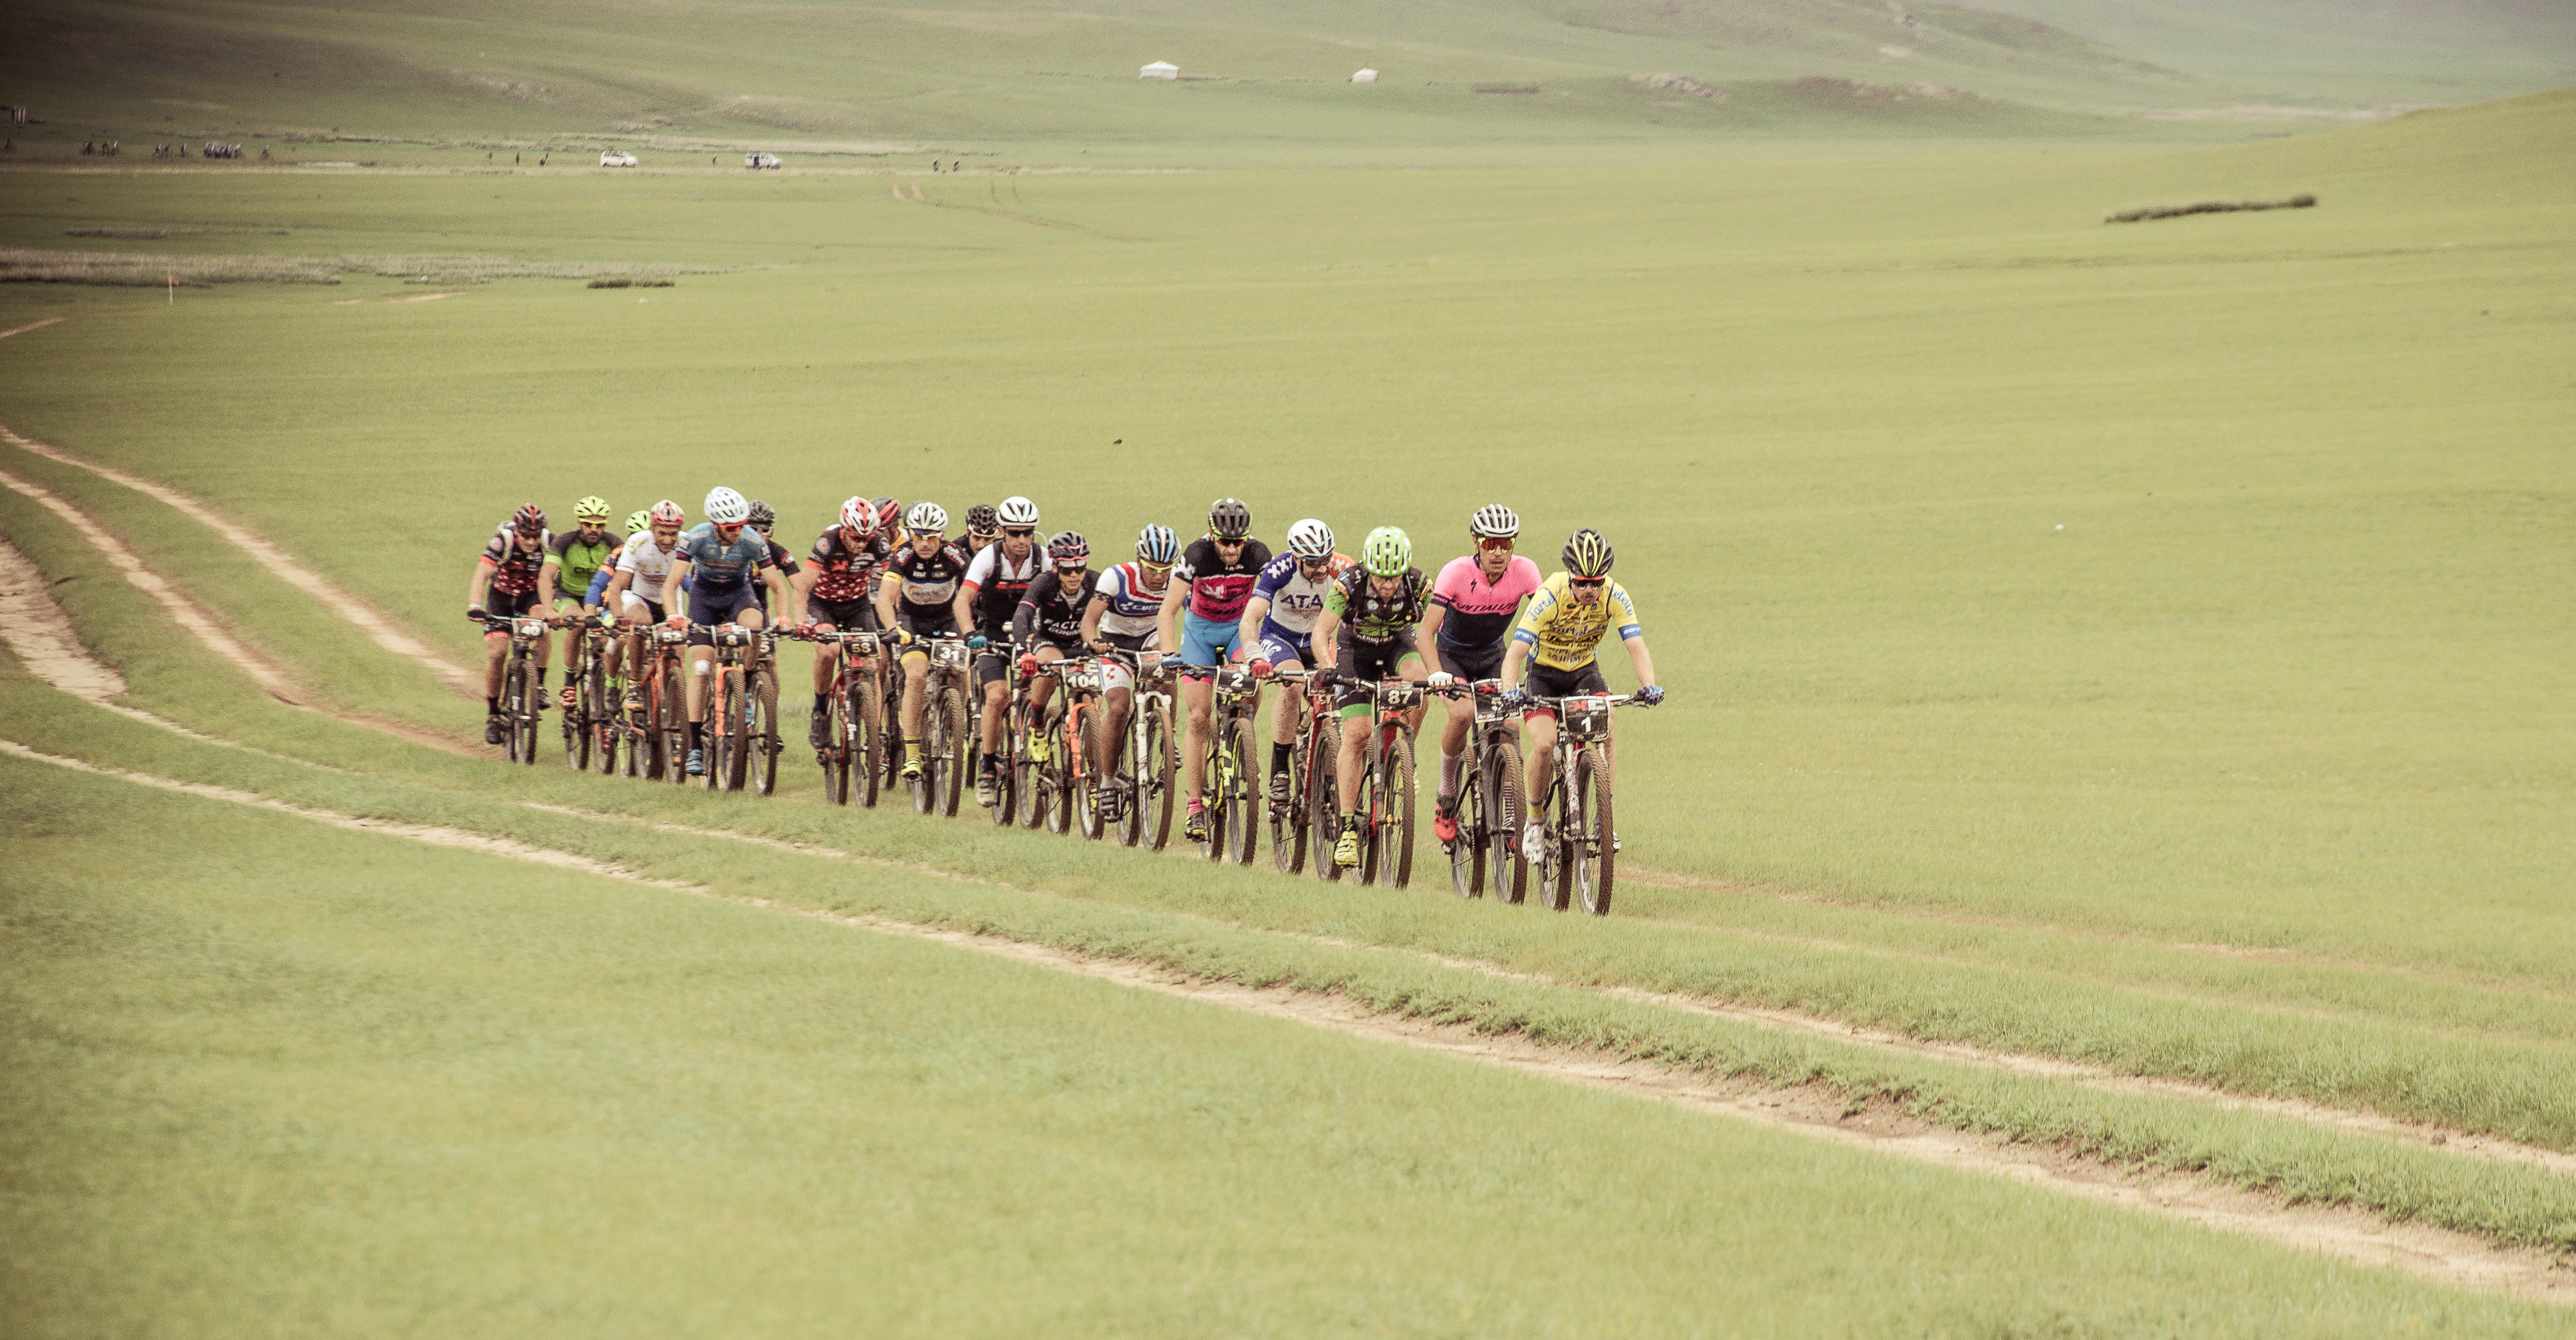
point(1473, 663)
point(1115, 673)
point(1369, 662)
point(636, 609)
point(707, 609)
point(992, 665)
point(507, 605)
point(1547, 681)
point(1205, 643)
point(848, 616)
point(1282, 645)
point(924, 621)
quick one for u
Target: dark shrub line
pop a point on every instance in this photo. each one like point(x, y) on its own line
point(2299, 201)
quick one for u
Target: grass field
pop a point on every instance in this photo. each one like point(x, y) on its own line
point(2131, 645)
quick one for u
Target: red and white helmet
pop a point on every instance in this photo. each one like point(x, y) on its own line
point(668, 513)
point(858, 517)
point(530, 519)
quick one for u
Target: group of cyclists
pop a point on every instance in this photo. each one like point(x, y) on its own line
point(1016, 597)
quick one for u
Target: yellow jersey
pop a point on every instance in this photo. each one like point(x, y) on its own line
point(1564, 633)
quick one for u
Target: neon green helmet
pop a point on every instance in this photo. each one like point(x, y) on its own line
point(641, 521)
point(590, 508)
point(1387, 552)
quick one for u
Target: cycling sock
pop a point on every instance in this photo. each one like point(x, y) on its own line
point(822, 703)
point(1279, 757)
point(541, 676)
point(1450, 765)
point(911, 746)
point(696, 728)
point(492, 705)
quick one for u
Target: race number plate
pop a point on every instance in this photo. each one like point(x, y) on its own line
point(1588, 717)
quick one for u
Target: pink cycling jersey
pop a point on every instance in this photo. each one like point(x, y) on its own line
point(1480, 612)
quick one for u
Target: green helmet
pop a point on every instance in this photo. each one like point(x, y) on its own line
point(641, 521)
point(1387, 552)
point(593, 506)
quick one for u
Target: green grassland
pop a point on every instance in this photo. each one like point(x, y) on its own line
point(2137, 644)
point(331, 1083)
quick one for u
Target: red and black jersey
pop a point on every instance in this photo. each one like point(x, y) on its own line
point(1219, 590)
point(846, 567)
point(514, 570)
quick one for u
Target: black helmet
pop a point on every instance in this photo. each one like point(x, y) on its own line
point(1587, 555)
point(761, 518)
point(1229, 519)
point(1069, 547)
point(982, 519)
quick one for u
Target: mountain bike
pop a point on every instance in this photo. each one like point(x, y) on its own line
point(1009, 744)
point(947, 744)
point(1581, 854)
point(1489, 802)
point(1386, 788)
point(1067, 781)
point(667, 703)
point(1140, 775)
point(742, 711)
point(519, 706)
point(590, 721)
point(1233, 787)
point(1301, 821)
point(854, 731)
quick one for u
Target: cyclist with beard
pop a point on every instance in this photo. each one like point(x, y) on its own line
point(996, 579)
point(1279, 622)
point(1376, 604)
point(634, 593)
point(716, 569)
point(1202, 615)
point(1473, 603)
point(507, 576)
point(1047, 626)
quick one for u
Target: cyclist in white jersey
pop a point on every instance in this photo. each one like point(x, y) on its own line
point(641, 568)
point(1125, 615)
point(1279, 625)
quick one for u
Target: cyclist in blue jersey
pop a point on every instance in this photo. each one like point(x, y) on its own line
point(1202, 616)
point(714, 571)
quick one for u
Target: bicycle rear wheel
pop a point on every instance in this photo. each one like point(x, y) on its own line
point(1595, 848)
point(1500, 784)
point(723, 734)
point(1155, 770)
point(1006, 768)
point(1036, 783)
point(865, 741)
point(576, 725)
point(520, 743)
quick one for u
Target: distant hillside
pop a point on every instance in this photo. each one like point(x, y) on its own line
point(1465, 72)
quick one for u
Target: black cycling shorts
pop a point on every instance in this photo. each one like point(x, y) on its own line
point(848, 616)
point(505, 605)
point(1367, 663)
point(1472, 663)
point(1546, 681)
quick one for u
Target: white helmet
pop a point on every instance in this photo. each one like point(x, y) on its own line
point(1019, 512)
point(858, 518)
point(927, 518)
point(1493, 521)
point(726, 507)
point(1310, 538)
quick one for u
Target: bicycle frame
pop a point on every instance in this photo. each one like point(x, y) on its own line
point(1578, 862)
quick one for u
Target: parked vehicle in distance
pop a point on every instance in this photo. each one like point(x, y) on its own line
point(616, 158)
point(759, 161)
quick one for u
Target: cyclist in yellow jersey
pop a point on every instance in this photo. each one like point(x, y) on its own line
point(1556, 643)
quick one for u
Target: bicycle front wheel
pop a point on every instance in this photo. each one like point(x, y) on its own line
point(1467, 849)
point(1288, 818)
point(1500, 786)
point(675, 724)
point(1084, 794)
point(1594, 852)
point(1240, 796)
point(836, 751)
point(764, 730)
point(1322, 796)
point(955, 752)
point(1154, 773)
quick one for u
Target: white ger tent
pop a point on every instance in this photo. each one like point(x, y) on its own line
point(1161, 69)
point(1365, 77)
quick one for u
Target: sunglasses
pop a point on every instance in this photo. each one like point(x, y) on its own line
point(1304, 562)
point(1588, 583)
point(1236, 543)
point(1494, 542)
point(979, 534)
point(1156, 567)
point(1070, 566)
point(1019, 532)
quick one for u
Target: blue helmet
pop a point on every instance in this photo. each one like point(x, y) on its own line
point(1158, 545)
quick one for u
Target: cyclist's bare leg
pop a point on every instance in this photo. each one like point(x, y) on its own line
point(1283, 727)
point(1198, 698)
point(496, 649)
point(1042, 687)
point(916, 668)
point(827, 666)
point(1540, 777)
point(702, 664)
point(1356, 730)
point(1115, 706)
point(997, 705)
